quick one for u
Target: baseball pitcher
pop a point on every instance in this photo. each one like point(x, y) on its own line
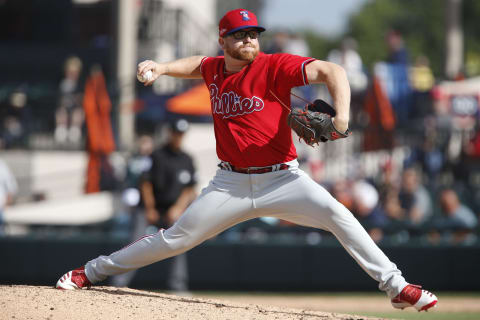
point(258, 172)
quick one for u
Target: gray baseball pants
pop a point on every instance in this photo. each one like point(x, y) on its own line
point(231, 198)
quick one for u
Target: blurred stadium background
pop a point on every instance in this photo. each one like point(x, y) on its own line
point(73, 120)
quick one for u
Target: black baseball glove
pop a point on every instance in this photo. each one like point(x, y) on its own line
point(314, 123)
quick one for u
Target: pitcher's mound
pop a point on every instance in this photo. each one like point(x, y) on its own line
point(108, 303)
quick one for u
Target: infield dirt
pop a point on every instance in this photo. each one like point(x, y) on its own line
point(33, 302)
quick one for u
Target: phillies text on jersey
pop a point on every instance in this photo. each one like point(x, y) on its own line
point(230, 104)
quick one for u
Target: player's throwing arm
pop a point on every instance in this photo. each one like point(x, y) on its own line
point(188, 68)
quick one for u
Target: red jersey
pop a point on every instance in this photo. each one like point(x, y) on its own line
point(250, 124)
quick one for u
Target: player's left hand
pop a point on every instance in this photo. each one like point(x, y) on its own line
point(316, 123)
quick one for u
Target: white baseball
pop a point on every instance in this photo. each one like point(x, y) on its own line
point(147, 76)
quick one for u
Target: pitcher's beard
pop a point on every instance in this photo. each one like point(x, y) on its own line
point(241, 55)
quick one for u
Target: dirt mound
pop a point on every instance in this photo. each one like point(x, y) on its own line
point(30, 302)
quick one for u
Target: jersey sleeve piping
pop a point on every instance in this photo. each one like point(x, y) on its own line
point(304, 75)
point(201, 64)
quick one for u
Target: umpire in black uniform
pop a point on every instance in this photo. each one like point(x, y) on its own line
point(167, 189)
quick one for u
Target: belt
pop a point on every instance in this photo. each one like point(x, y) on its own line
point(253, 170)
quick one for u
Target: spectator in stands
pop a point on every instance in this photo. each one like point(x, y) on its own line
point(414, 198)
point(8, 190)
point(421, 82)
point(457, 215)
point(458, 221)
point(397, 53)
point(421, 76)
point(392, 206)
point(15, 119)
point(368, 210)
point(348, 57)
point(429, 156)
point(69, 115)
point(399, 90)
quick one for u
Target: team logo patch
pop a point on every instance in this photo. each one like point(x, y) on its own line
point(245, 16)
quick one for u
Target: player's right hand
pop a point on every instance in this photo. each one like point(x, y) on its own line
point(149, 65)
